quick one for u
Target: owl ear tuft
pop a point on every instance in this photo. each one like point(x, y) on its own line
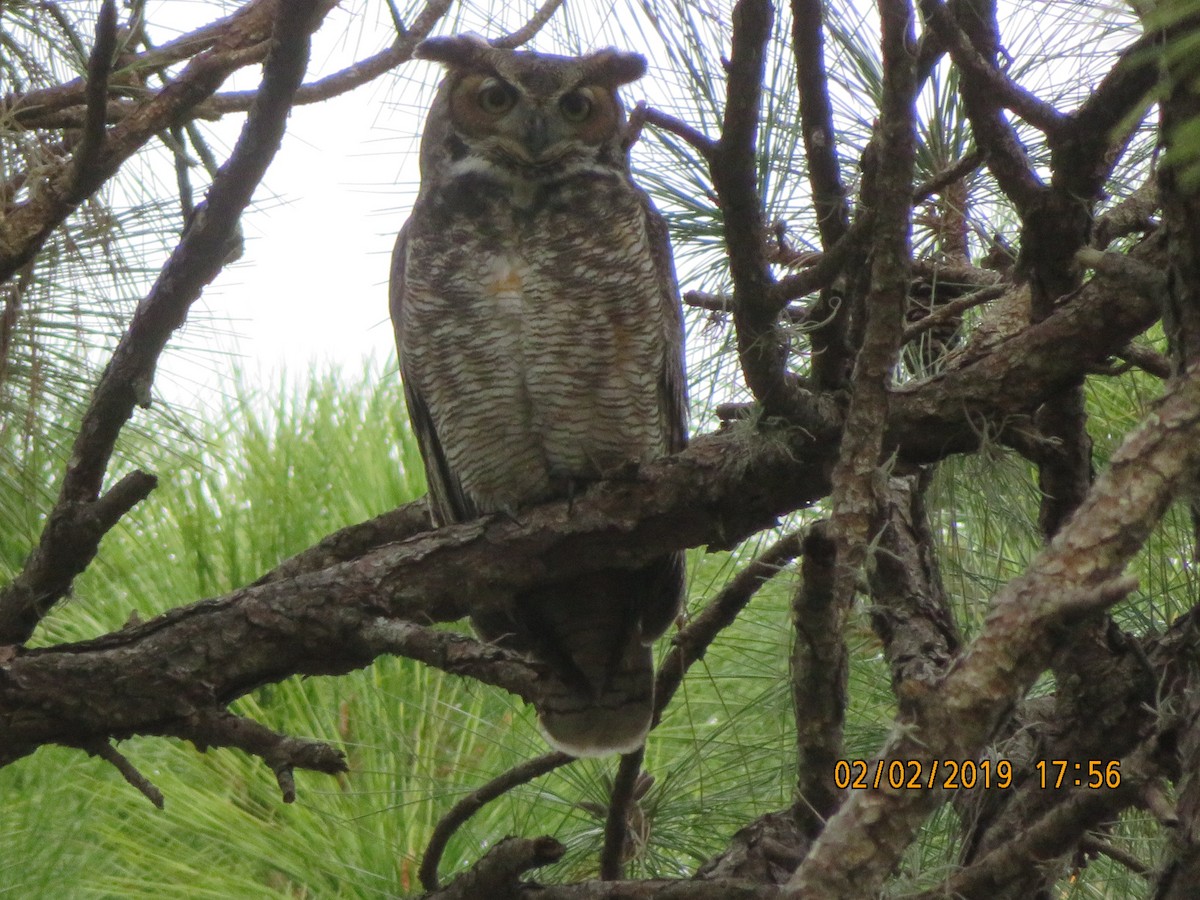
point(467, 51)
point(613, 68)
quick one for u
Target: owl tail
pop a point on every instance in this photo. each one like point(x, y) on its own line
point(594, 632)
point(603, 697)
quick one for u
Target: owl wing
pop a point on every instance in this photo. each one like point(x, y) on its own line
point(447, 501)
point(672, 385)
point(664, 579)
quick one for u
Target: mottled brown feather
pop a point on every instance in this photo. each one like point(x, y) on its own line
point(540, 335)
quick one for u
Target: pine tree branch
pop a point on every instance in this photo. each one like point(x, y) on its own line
point(1078, 574)
point(70, 539)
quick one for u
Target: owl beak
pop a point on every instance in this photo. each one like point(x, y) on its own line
point(536, 135)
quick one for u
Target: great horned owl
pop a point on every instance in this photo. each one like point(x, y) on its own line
point(540, 337)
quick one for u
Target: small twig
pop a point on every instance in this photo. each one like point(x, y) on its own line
point(475, 801)
point(952, 310)
point(827, 266)
point(720, 303)
point(99, 66)
point(110, 754)
point(1093, 845)
point(283, 753)
point(616, 825)
point(526, 32)
point(693, 640)
point(183, 179)
point(955, 172)
point(349, 78)
point(696, 139)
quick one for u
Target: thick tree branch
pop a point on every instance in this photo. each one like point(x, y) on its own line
point(820, 682)
point(911, 612)
point(110, 754)
point(854, 502)
point(987, 77)
point(994, 136)
point(349, 78)
point(761, 347)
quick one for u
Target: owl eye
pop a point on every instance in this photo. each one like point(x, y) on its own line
point(575, 106)
point(496, 96)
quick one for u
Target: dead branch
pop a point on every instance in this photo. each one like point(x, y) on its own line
point(616, 827)
point(479, 798)
point(216, 727)
point(495, 876)
point(70, 539)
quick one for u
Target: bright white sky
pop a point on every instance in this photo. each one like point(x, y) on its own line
point(312, 283)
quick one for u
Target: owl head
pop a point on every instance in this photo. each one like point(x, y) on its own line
point(533, 112)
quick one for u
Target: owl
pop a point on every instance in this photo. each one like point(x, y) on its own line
point(540, 340)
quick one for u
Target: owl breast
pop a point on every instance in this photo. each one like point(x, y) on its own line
point(526, 320)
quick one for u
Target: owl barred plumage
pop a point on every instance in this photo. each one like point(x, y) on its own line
point(541, 345)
